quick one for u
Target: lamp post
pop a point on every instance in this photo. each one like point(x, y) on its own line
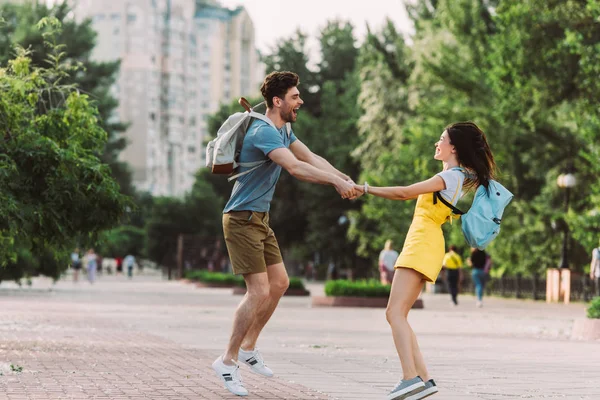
point(566, 181)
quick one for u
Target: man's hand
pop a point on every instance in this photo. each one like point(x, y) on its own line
point(345, 189)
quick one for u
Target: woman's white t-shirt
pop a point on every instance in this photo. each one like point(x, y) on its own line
point(454, 180)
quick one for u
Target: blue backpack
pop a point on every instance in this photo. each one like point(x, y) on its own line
point(481, 224)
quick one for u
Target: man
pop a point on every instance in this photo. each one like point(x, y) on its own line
point(595, 269)
point(453, 263)
point(251, 243)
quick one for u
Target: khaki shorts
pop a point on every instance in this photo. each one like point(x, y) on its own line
point(250, 241)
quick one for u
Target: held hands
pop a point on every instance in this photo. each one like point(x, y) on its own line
point(349, 190)
point(345, 189)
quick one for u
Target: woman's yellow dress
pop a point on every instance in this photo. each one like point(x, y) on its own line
point(424, 246)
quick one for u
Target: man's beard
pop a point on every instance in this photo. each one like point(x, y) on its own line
point(287, 117)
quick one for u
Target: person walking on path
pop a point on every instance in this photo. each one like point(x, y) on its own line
point(452, 264)
point(387, 259)
point(91, 263)
point(467, 160)
point(478, 261)
point(76, 264)
point(250, 241)
point(595, 270)
point(129, 263)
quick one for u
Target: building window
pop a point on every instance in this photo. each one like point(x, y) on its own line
point(99, 17)
point(191, 149)
point(152, 116)
point(115, 17)
point(131, 18)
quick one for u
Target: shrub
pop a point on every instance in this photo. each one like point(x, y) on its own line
point(594, 310)
point(364, 288)
point(295, 283)
point(213, 277)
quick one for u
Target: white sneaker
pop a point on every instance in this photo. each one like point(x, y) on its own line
point(254, 360)
point(479, 304)
point(230, 375)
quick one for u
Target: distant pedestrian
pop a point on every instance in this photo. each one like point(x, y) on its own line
point(129, 262)
point(478, 261)
point(91, 263)
point(595, 269)
point(75, 264)
point(452, 264)
point(387, 260)
point(119, 265)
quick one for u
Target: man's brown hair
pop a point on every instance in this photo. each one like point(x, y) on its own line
point(277, 84)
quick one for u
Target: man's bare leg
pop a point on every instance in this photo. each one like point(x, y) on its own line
point(278, 284)
point(257, 294)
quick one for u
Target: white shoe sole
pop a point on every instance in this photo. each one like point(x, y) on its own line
point(425, 393)
point(409, 391)
point(253, 369)
point(220, 375)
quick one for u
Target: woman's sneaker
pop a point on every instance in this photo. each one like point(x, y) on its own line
point(406, 388)
point(254, 360)
point(230, 376)
point(430, 388)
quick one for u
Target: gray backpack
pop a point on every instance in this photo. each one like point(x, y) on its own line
point(222, 153)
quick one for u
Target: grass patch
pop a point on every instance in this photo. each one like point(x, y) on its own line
point(593, 310)
point(363, 288)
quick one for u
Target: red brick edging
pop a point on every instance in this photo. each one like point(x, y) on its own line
point(347, 301)
point(586, 329)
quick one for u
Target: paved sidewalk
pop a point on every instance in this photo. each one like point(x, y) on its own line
point(151, 339)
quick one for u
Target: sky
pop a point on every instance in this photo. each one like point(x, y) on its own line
point(280, 19)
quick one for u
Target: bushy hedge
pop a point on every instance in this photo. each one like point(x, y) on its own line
point(237, 280)
point(364, 288)
point(213, 277)
point(295, 283)
point(594, 309)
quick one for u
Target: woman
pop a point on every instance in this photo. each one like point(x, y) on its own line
point(387, 259)
point(462, 145)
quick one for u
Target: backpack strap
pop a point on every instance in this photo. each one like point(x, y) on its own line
point(254, 165)
point(437, 195)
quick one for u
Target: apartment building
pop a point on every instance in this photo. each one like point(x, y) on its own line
point(180, 60)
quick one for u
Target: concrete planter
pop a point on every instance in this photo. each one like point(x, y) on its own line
point(586, 329)
point(345, 301)
point(214, 285)
point(290, 292)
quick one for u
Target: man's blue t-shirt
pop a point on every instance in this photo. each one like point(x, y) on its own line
point(254, 191)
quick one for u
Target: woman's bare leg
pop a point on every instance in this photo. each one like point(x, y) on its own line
point(406, 287)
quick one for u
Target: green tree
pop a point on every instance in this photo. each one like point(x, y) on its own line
point(93, 78)
point(54, 186)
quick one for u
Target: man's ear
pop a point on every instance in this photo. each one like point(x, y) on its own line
point(276, 101)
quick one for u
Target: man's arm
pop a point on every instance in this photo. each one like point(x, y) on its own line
point(303, 153)
point(306, 172)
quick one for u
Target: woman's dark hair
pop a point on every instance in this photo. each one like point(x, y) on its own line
point(472, 152)
point(453, 248)
point(277, 84)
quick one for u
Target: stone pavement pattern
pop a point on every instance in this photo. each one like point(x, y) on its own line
point(151, 339)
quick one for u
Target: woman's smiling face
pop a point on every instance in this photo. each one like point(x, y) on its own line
point(443, 148)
